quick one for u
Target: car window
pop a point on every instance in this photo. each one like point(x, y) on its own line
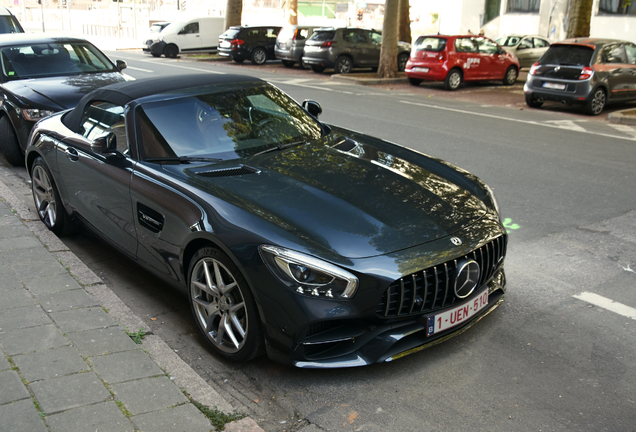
point(232, 123)
point(271, 33)
point(354, 36)
point(191, 28)
point(466, 45)
point(563, 54)
point(540, 43)
point(230, 34)
point(9, 24)
point(286, 33)
point(614, 54)
point(303, 34)
point(630, 50)
point(430, 44)
point(52, 59)
point(525, 44)
point(253, 33)
point(103, 117)
point(376, 38)
point(486, 46)
point(322, 36)
point(508, 40)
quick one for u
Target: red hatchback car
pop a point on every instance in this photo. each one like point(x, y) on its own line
point(454, 59)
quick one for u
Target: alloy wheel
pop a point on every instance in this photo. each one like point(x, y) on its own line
point(259, 56)
point(598, 102)
point(44, 195)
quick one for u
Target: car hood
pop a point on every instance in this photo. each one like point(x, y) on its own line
point(352, 198)
point(60, 93)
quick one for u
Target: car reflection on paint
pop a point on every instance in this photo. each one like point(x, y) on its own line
point(320, 246)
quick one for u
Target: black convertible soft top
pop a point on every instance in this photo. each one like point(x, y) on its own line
point(124, 92)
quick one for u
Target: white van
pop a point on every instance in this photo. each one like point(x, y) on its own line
point(194, 35)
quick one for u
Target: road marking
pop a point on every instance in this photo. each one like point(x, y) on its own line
point(138, 69)
point(299, 83)
point(568, 124)
point(608, 304)
point(530, 122)
point(627, 130)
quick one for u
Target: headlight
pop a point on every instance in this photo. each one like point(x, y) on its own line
point(36, 114)
point(493, 199)
point(307, 275)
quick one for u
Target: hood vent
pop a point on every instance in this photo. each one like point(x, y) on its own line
point(346, 145)
point(230, 172)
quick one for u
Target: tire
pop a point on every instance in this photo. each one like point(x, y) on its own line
point(171, 51)
point(511, 76)
point(596, 103)
point(402, 59)
point(238, 60)
point(453, 80)
point(288, 63)
point(344, 65)
point(9, 143)
point(155, 55)
point(414, 81)
point(223, 306)
point(259, 56)
point(317, 69)
point(532, 102)
point(47, 200)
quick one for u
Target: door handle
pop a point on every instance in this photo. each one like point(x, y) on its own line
point(72, 154)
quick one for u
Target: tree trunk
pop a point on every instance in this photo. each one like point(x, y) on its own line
point(388, 53)
point(233, 12)
point(292, 12)
point(404, 22)
point(579, 18)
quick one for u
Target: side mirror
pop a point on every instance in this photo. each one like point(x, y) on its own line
point(105, 144)
point(121, 65)
point(312, 107)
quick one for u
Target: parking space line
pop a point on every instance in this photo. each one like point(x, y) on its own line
point(608, 304)
point(530, 122)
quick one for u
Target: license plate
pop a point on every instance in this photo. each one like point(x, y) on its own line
point(419, 69)
point(225, 44)
point(457, 315)
point(554, 86)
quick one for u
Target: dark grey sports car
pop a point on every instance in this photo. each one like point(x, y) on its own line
point(41, 75)
point(321, 246)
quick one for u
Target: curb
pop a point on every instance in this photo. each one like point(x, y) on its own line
point(626, 117)
point(369, 79)
point(183, 376)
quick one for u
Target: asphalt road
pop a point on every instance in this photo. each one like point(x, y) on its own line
point(558, 355)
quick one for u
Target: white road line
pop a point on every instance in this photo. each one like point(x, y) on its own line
point(530, 122)
point(608, 304)
point(568, 124)
point(297, 84)
point(627, 130)
point(139, 69)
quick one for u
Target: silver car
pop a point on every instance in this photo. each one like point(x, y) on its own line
point(290, 43)
point(528, 48)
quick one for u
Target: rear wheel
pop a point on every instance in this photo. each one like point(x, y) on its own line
point(511, 76)
point(596, 103)
point(9, 143)
point(532, 102)
point(344, 65)
point(402, 59)
point(317, 69)
point(171, 51)
point(47, 199)
point(453, 79)
point(288, 63)
point(259, 56)
point(414, 81)
point(223, 306)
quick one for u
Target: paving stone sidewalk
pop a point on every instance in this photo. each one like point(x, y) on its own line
point(66, 362)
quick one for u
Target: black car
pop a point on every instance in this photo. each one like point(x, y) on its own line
point(254, 43)
point(321, 246)
point(583, 71)
point(42, 75)
point(344, 49)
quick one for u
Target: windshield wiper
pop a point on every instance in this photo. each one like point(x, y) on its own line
point(280, 147)
point(182, 159)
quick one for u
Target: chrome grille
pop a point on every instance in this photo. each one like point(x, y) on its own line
point(432, 288)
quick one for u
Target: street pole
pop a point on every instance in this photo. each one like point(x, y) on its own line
point(42, 9)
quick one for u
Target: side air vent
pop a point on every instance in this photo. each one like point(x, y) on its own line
point(149, 218)
point(230, 172)
point(346, 145)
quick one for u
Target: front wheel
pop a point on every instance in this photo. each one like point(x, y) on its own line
point(511, 76)
point(453, 80)
point(171, 51)
point(223, 306)
point(596, 103)
point(47, 199)
point(414, 81)
point(9, 143)
point(344, 65)
point(259, 56)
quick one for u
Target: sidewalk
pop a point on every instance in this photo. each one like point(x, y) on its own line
point(67, 363)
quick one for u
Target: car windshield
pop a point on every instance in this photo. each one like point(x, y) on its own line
point(52, 59)
point(567, 55)
point(508, 40)
point(430, 44)
point(229, 124)
point(229, 34)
